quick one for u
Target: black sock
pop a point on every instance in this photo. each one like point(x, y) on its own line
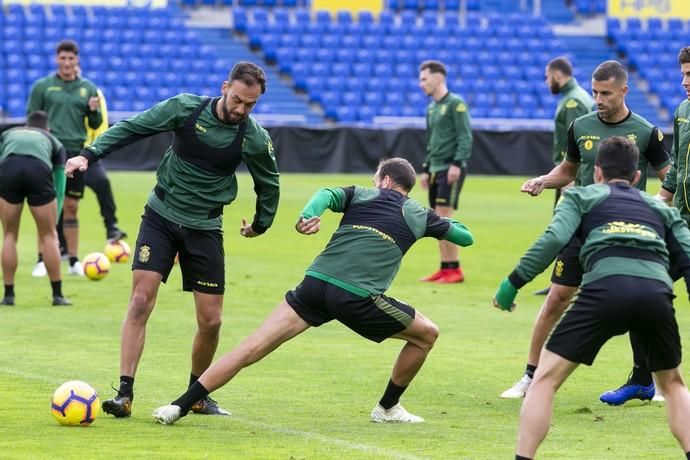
point(9, 290)
point(73, 260)
point(687, 455)
point(520, 457)
point(192, 378)
point(57, 288)
point(529, 371)
point(392, 395)
point(640, 376)
point(40, 257)
point(446, 265)
point(193, 394)
point(126, 386)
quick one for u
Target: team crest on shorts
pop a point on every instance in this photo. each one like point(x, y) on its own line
point(144, 254)
point(559, 268)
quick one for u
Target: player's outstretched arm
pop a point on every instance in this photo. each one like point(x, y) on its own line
point(74, 164)
point(559, 177)
point(458, 234)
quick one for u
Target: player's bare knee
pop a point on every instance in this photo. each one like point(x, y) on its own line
point(140, 305)
point(210, 325)
point(428, 336)
point(70, 208)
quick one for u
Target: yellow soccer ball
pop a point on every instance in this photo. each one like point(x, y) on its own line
point(96, 266)
point(75, 403)
point(117, 251)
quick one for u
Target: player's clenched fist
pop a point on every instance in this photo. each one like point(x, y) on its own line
point(308, 226)
point(533, 186)
point(78, 163)
point(505, 296)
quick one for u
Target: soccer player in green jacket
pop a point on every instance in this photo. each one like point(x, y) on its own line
point(613, 118)
point(32, 163)
point(677, 182)
point(68, 99)
point(448, 147)
point(574, 103)
point(629, 241)
point(347, 282)
point(184, 212)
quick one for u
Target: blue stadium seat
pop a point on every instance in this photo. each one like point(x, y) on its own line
point(633, 24)
point(675, 24)
point(365, 17)
point(323, 17)
point(388, 111)
point(430, 18)
point(394, 99)
point(365, 114)
point(417, 98)
point(344, 17)
point(351, 98)
point(386, 18)
point(345, 115)
point(344, 55)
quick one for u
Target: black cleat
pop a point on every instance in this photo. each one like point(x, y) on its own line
point(115, 234)
point(208, 406)
point(7, 300)
point(59, 301)
point(120, 406)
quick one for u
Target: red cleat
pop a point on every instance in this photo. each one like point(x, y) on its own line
point(451, 275)
point(433, 277)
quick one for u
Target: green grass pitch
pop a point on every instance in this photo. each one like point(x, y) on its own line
point(312, 397)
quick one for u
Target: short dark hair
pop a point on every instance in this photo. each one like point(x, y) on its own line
point(618, 158)
point(67, 45)
point(37, 119)
point(434, 67)
point(610, 69)
point(562, 64)
point(684, 55)
point(248, 73)
point(400, 171)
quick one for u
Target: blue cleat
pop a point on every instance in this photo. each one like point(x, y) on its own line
point(627, 392)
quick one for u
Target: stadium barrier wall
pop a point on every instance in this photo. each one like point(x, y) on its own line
point(358, 150)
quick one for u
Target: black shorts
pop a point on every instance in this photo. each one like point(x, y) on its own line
point(613, 306)
point(202, 258)
point(442, 194)
point(567, 270)
point(74, 187)
point(375, 318)
point(26, 177)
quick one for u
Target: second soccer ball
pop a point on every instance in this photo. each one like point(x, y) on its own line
point(96, 266)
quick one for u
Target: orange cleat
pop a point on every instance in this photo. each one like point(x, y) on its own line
point(451, 275)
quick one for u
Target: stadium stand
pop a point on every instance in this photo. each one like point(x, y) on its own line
point(651, 48)
point(359, 68)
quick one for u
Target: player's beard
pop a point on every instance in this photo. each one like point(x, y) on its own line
point(228, 116)
point(554, 87)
